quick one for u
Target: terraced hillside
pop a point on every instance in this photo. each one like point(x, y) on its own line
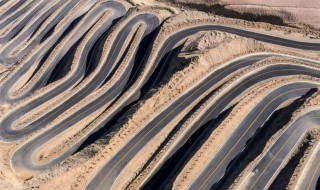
point(101, 94)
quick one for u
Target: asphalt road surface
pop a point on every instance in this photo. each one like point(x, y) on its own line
point(23, 156)
point(85, 24)
point(106, 177)
point(16, 36)
point(272, 161)
point(112, 169)
point(109, 172)
point(7, 133)
point(216, 168)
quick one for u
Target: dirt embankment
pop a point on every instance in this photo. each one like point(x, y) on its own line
point(289, 176)
point(203, 53)
point(289, 12)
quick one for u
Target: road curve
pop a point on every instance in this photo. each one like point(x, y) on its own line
point(94, 87)
point(10, 134)
point(311, 172)
point(217, 167)
point(109, 172)
point(106, 176)
point(272, 161)
point(25, 28)
point(77, 33)
point(22, 158)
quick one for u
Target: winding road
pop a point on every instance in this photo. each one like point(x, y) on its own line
point(107, 58)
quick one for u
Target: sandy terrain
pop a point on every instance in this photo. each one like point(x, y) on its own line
point(296, 13)
point(110, 63)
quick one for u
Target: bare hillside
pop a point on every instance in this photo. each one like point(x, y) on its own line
point(297, 13)
point(143, 94)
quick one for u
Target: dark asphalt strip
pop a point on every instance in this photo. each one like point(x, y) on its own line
point(9, 134)
point(216, 168)
point(23, 156)
point(170, 169)
point(35, 58)
point(271, 162)
point(108, 174)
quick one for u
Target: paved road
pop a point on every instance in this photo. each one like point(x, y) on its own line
point(314, 178)
point(311, 172)
point(7, 133)
point(217, 166)
point(3, 2)
point(108, 174)
point(35, 59)
point(112, 169)
point(167, 47)
point(273, 160)
point(23, 156)
point(13, 13)
point(24, 29)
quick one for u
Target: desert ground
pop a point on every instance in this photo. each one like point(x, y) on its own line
point(159, 94)
point(296, 13)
